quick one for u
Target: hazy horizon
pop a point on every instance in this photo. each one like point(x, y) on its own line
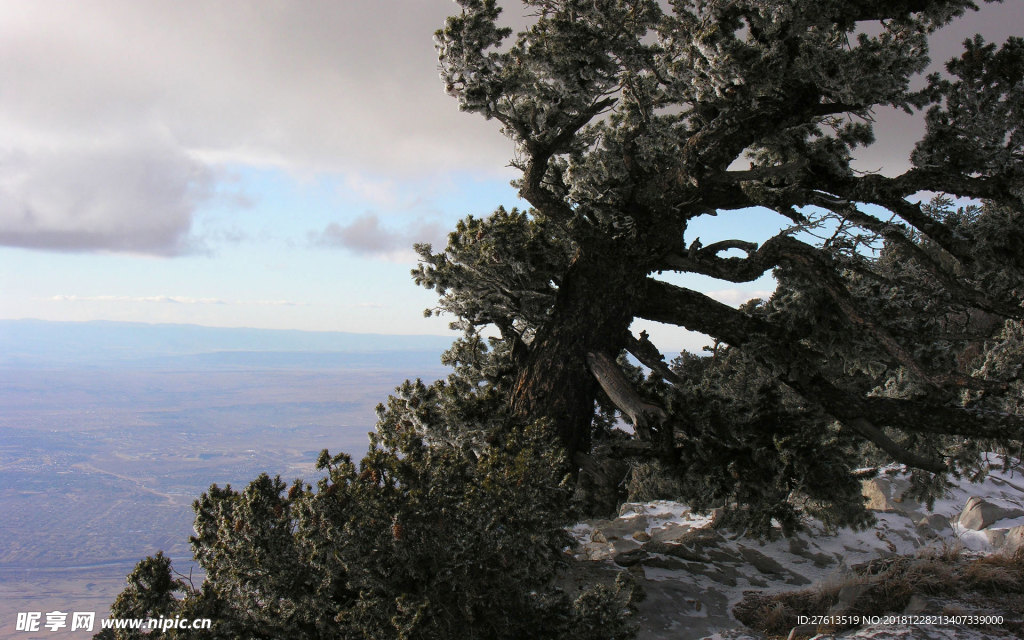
point(109, 431)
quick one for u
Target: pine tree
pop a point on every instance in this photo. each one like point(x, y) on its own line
point(895, 333)
point(416, 542)
point(631, 120)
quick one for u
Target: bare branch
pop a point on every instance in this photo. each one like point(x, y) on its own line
point(898, 237)
point(799, 368)
point(645, 351)
point(898, 453)
point(641, 413)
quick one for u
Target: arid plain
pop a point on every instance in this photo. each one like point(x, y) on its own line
point(99, 465)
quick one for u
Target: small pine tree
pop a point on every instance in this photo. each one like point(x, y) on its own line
point(418, 542)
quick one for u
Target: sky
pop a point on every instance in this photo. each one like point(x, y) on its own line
point(260, 164)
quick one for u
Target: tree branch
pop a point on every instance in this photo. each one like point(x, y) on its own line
point(645, 351)
point(540, 152)
point(641, 413)
point(896, 236)
point(799, 368)
point(888, 445)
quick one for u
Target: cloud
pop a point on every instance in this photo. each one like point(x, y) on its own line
point(736, 297)
point(115, 115)
point(312, 87)
point(115, 196)
point(174, 300)
point(366, 235)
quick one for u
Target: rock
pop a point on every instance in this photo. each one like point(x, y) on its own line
point(722, 575)
point(676, 551)
point(621, 545)
point(979, 514)
point(631, 508)
point(616, 529)
point(885, 494)
point(800, 547)
point(917, 604)
point(1014, 540)
point(666, 613)
point(996, 537)
point(936, 522)
point(630, 558)
point(670, 532)
point(848, 595)
point(597, 551)
point(761, 562)
point(692, 545)
point(718, 555)
point(662, 562)
point(926, 532)
point(878, 494)
point(803, 632)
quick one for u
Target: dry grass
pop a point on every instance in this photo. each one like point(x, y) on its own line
point(886, 586)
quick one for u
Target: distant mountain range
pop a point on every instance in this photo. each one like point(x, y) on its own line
point(35, 343)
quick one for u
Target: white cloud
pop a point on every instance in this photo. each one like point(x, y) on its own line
point(367, 235)
point(115, 114)
point(736, 297)
point(163, 299)
point(134, 196)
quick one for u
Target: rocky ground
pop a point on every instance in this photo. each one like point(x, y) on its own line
point(694, 575)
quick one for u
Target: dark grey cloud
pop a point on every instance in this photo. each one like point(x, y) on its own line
point(132, 197)
point(115, 115)
point(367, 235)
point(310, 87)
point(896, 132)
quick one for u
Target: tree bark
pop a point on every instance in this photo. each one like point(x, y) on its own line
point(592, 313)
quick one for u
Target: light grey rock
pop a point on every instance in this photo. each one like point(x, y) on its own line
point(670, 532)
point(979, 514)
point(638, 508)
point(1014, 540)
point(935, 521)
point(885, 494)
point(621, 528)
point(878, 495)
point(597, 551)
point(996, 537)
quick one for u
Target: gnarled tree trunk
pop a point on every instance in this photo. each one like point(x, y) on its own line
point(595, 306)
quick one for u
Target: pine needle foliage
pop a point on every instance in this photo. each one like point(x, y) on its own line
point(416, 542)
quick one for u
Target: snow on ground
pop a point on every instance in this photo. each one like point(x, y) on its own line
point(694, 574)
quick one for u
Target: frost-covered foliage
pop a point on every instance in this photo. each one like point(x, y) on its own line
point(415, 542)
point(894, 334)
